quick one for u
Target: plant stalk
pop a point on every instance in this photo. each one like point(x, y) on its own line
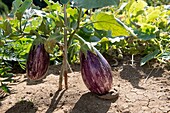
point(65, 48)
point(64, 65)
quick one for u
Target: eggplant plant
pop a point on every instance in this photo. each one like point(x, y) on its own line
point(66, 21)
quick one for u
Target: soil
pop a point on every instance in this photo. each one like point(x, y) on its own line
point(142, 89)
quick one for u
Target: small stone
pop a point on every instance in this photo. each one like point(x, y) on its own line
point(168, 97)
point(51, 94)
point(28, 92)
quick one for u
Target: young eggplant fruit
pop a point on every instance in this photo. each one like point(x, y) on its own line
point(37, 62)
point(96, 72)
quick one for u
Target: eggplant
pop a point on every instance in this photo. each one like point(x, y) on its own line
point(37, 62)
point(96, 72)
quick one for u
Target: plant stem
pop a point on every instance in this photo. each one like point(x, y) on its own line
point(20, 27)
point(65, 48)
point(61, 78)
point(64, 65)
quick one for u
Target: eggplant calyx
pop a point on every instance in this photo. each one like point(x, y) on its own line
point(37, 41)
point(85, 46)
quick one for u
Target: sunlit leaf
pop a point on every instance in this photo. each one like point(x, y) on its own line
point(104, 21)
point(137, 6)
point(33, 24)
point(149, 57)
point(72, 12)
point(148, 28)
point(153, 15)
point(104, 39)
point(89, 4)
point(130, 2)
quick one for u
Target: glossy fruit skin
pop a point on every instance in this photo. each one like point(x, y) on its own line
point(96, 72)
point(37, 62)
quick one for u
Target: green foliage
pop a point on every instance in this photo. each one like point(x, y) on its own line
point(149, 57)
point(151, 26)
point(107, 22)
point(130, 28)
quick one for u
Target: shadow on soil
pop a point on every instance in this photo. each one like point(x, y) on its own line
point(23, 107)
point(89, 103)
point(30, 82)
point(135, 74)
point(132, 75)
point(55, 100)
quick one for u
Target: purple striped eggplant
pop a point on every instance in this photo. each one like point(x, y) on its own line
point(96, 72)
point(37, 62)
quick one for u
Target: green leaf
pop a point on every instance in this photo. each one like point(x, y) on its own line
point(165, 56)
point(16, 4)
point(5, 88)
point(51, 42)
point(47, 2)
point(9, 75)
point(144, 36)
point(130, 2)
point(153, 15)
point(89, 4)
point(149, 57)
point(64, 1)
point(36, 21)
point(136, 7)
point(3, 70)
point(2, 43)
point(25, 5)
point(44, 27)
point(72, 12)
point(104, 21)
point(6, 26)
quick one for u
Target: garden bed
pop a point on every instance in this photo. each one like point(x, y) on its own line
point(137, 93)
